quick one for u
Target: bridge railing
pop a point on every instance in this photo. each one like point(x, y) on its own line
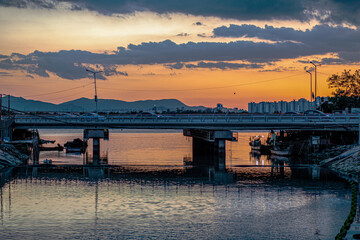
point(189, 118)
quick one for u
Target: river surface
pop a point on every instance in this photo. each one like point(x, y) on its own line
point(263, 203)
point(149, 148)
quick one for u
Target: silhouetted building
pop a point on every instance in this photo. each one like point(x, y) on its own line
point(300, 105)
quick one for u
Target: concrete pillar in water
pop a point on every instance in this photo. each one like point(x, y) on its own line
point(34, 171)
point(315, 173)
point(96, 151)
point(220, 148)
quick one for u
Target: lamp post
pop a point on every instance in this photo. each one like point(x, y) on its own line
point(96, 98)
point(315, 65)
point(311, 93)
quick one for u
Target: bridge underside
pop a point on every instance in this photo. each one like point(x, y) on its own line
point(209, 147)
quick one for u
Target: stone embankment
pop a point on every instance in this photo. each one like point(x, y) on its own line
point(346, 163)
point(10, 156)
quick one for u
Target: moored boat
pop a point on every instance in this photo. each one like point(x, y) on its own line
point(77, 145)
point(257, 146)
point(280, 152)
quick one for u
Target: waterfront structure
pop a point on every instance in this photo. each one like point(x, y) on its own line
point(300, 105)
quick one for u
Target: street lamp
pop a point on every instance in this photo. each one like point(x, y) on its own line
point(311, 93)
point(315, 65)
point(96, 98)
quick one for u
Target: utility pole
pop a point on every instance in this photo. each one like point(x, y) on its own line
point(96, 98)
point(311, 93)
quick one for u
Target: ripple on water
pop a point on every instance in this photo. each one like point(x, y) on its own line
point(119, 209)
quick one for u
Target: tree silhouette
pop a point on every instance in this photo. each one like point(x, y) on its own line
point(346, 84)
point(347, 91)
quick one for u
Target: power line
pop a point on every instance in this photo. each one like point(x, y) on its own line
point(197, 89)
point(69, 95)
point(43, 94)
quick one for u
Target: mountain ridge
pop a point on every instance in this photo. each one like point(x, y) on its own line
point(88, 105)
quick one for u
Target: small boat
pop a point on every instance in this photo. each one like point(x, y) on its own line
point(280, 151)
point(47, 161)
point(57, 148)
point(257, 146)
point(77, 145)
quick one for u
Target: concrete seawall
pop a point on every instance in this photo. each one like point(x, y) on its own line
point(347, 165)
point(10, 156)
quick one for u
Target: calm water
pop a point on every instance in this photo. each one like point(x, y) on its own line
point(263, 203)
point(148, 148)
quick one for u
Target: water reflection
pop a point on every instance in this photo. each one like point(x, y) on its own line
point(138, 206)
point(152, 186)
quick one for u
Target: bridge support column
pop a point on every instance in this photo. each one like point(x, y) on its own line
point(220, 153)
point(209, 153)
point(96, 151)
point(96, 135)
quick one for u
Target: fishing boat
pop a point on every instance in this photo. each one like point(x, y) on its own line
point(257, 146)
point(77, 145)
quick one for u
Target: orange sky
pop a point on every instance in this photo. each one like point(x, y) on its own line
point(27, 30)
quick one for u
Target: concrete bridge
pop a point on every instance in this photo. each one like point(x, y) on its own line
point(209, 131)
point(335, 122)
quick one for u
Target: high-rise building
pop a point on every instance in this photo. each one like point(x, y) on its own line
point(300, 105)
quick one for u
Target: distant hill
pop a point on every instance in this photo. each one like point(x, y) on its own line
point(88, 105)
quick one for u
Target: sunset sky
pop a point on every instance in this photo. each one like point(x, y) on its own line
point(201, 52)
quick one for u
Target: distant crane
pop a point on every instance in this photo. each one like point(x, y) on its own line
point(96, 98)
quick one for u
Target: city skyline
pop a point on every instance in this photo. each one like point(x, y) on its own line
point(233, 53)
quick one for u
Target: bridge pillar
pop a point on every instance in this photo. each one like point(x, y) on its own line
point(220, 153)
point(96, 135)
point(209, 147)
point(96, 151)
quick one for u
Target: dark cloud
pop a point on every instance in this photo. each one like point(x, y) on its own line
point(332, 61)
point(65, 64)
point(49, 4)
point(288, 43)
point(149, 74)
point(42, 4)
point(123, 74)
point(215, 65)
point(279, 69)
point(321, 39)
point(325, 10)
point(175, 65)
point(5, 74)
point(198, 24)
point(182, 35)
point(29, 76)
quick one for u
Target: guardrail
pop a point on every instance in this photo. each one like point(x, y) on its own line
point(192, 118)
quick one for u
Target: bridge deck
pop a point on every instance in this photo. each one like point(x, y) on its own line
point(338, 122)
